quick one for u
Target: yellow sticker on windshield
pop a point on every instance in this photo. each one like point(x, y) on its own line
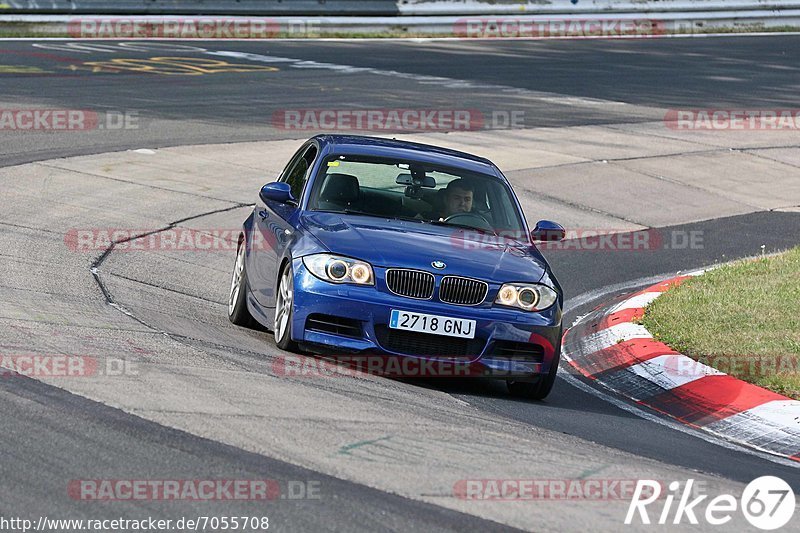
point(333, 163)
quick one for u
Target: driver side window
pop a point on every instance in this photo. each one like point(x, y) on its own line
point(296, 174)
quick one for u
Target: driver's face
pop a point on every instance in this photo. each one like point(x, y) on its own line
point(457, 200)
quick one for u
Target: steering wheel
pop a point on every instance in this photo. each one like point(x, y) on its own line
point(474, 220)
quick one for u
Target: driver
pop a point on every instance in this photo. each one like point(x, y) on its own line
point(457, 198)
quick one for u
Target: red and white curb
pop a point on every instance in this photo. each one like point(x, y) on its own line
point(607, 347)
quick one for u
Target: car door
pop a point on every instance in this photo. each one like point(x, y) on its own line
point(274, 225)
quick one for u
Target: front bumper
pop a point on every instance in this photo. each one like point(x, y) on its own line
point(508, 342)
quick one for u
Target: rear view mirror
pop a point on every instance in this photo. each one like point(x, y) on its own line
point(406, 179)
point(547, 231)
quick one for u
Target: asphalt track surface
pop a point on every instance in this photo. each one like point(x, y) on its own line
point(719, 73)
point(48, 434)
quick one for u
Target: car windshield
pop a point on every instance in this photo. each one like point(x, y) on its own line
point(416, 191)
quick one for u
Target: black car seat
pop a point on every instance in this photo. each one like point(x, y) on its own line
point(340, 191)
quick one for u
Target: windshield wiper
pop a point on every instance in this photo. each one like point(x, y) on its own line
point(350, 212)
point(357, 212)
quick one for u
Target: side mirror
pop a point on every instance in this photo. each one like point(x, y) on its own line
point(277, 192)
point(547, 231)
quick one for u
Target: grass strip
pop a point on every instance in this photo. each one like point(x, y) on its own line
point(742, 319)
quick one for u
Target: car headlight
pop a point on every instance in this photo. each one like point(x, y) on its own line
point(338, 269)
point(527, 296)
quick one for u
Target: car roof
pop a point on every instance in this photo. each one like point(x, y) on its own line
point(382, 147)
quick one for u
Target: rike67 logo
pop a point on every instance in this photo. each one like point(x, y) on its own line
point(767, 503)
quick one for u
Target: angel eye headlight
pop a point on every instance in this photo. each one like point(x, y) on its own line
point(361, 273)
point(527, 296)
point(338, 269)
point(507, 295)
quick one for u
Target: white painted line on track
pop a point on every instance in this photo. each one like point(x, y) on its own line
point(672, 370)
point(780, 413)
point(602, 292)
point(625, 405)
point(773, 413)
point(608, 337)
point(651, 417)
point(637, 302)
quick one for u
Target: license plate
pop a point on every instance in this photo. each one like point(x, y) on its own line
point(438, 325)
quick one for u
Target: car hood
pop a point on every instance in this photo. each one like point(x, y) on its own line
point(409, 244)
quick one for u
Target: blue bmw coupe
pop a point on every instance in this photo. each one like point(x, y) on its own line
point(375, 246)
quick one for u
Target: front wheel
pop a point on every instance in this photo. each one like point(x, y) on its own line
point(237, 300)
point(539, 389)
point(284, 310)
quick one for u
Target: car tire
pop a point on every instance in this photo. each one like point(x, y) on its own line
point(237, 298)
point(539, 389)
point(284, 310)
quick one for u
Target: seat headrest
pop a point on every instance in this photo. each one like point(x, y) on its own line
point(340, 189)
